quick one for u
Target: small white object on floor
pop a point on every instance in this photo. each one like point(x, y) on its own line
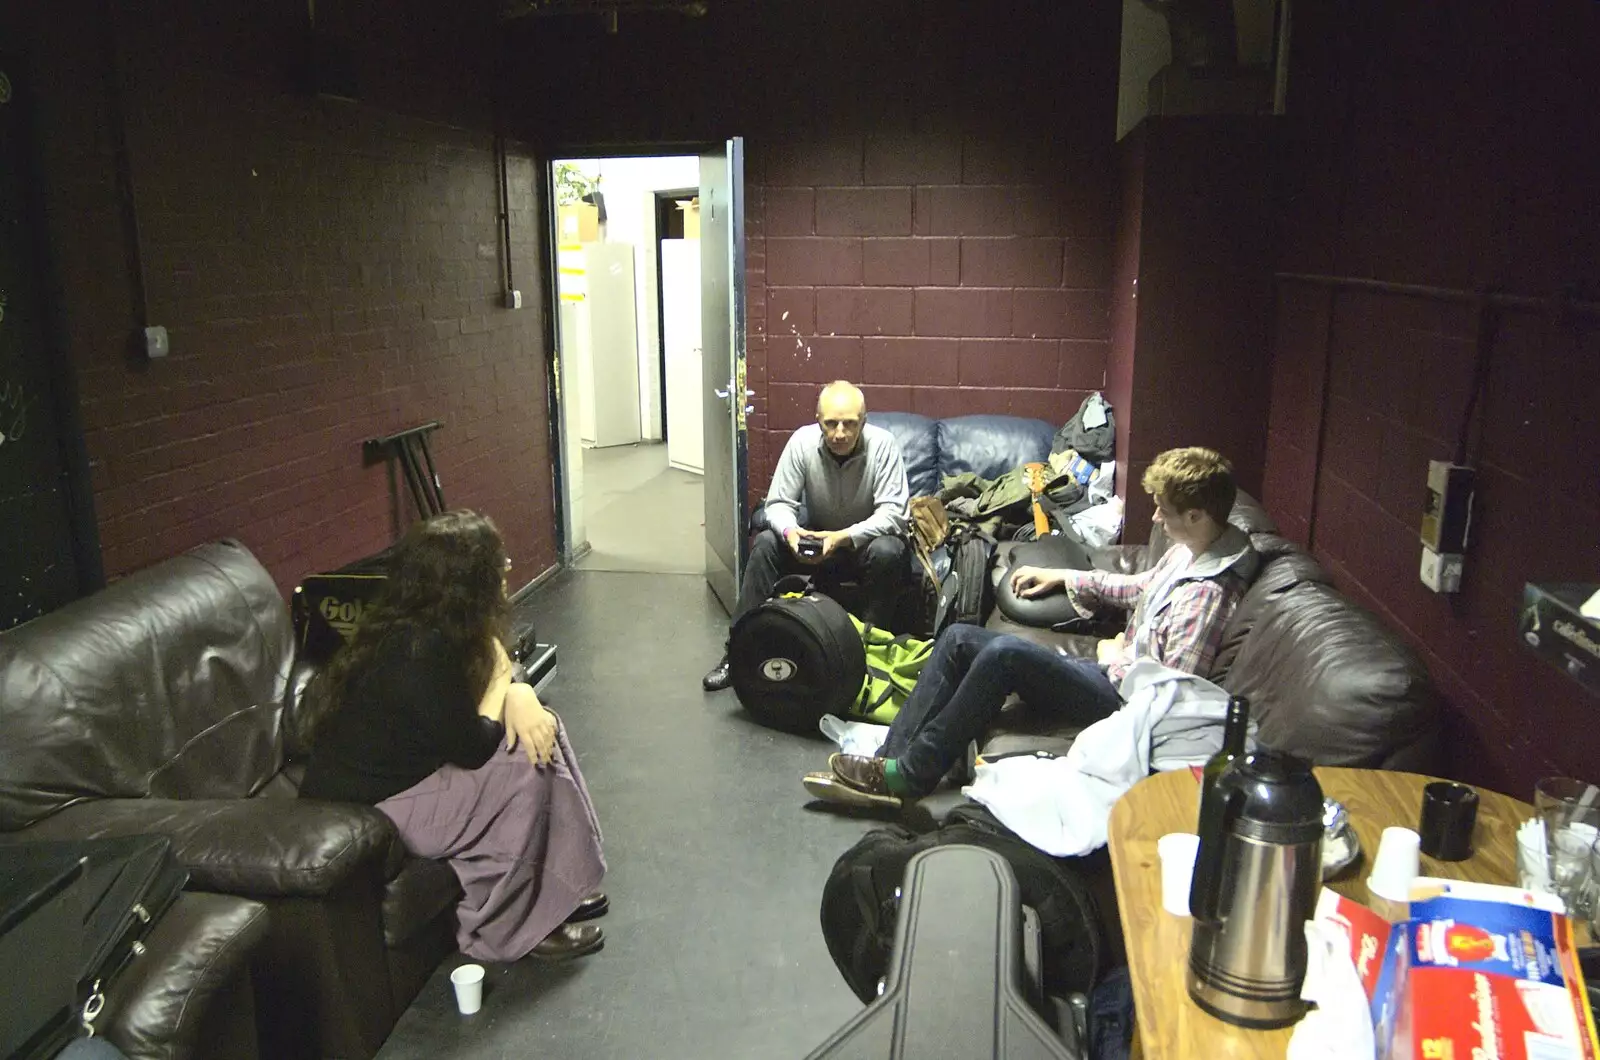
point(1591, 606)
point(854, 737)
point(1340, 1026)
point(468, 982)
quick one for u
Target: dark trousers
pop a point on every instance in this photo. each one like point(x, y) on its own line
point(880, 568)
point(965, 682)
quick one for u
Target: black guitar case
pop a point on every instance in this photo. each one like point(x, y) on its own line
point(963, 976)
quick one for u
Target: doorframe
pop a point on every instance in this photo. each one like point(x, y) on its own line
point(555, 409)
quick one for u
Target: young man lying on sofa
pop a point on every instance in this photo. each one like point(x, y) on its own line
point(1180, 608)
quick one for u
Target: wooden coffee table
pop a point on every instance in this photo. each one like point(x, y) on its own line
point(1171, 1025)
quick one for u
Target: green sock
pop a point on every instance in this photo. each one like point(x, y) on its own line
point(892, 779)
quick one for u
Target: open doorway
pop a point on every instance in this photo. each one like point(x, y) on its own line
point(628, 288)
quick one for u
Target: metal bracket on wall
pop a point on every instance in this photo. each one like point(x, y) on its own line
point(416, 461)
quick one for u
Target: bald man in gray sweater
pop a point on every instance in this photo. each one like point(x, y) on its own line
point(850, 478)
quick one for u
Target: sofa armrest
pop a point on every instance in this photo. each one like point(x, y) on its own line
point(253, 847)
point(157, 1007)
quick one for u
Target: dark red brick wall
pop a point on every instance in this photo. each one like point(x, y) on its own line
point(1451, 148)
point(327, 271)
point(930, 189)
point(1192, 301)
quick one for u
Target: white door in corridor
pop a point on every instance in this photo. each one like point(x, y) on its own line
point(680, 343)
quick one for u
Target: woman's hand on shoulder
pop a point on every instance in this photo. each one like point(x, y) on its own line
point(527, 722)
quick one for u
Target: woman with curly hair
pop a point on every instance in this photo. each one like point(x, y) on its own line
point(419, 716)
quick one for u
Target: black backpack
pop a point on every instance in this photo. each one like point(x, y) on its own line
point(967, 594)
point(859, 901)
point(793, 659)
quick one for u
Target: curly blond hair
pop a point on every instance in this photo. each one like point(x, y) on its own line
point(1193, 477)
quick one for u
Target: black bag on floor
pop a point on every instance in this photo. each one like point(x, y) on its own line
point(964, 973)
point(967, 594)
point(125, 885)
point(859, 901)
point(796, 657)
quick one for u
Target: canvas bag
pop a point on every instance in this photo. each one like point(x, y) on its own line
point(893, 665)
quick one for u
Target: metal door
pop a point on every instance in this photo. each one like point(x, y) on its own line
point(722, 310)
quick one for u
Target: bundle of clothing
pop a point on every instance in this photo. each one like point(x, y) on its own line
point(1078, 475)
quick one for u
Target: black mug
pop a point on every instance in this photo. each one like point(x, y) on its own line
point(1449, 811)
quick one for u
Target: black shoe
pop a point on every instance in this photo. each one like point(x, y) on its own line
point(596, 904)
point(569, 941)
point(717, 678)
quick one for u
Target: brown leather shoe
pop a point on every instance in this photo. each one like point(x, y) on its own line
point(569, 941)
point(862, 773)
point(596, 904)
point(830, 789)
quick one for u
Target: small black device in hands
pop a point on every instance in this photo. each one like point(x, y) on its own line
point(808, 547)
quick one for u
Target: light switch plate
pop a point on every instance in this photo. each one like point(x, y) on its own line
point(155, 342)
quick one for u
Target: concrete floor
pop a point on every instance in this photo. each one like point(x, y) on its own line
point(641, 514)
point(716, 867)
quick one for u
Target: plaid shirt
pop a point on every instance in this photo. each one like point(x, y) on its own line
point(1190, 615)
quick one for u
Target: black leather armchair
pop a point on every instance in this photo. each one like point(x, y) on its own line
point(164, 704)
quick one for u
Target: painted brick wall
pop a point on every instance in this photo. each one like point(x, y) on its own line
point(907, 263)
point(930, 189)
point(1450, 149)
point(328, 272)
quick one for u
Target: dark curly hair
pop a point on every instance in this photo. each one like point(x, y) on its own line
point(446, 578)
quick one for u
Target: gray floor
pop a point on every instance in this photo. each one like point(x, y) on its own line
point(642, 515)
point(716, 866)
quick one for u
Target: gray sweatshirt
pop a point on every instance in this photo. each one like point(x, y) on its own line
point(865, 495)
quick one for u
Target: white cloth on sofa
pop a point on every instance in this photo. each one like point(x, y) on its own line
point(1169, 720)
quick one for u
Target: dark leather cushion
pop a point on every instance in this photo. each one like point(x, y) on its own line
point(919, 447)
point(1328, 681)
point(413, 899)
point(256, 847)
point(1283, 566)
point(1046, 611)
point(165, 684)
point(989, 446)
point(156, 1007)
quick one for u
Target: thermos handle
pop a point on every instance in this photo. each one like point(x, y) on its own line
point(1205, 890)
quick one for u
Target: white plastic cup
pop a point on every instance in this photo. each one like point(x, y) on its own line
point(1395, 865)
point(1533, 864)
point(468, 981)
point(1177, 850)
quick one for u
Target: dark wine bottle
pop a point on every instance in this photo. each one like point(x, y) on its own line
point(1234, 729)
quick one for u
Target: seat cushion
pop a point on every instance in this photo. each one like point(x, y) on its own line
point(989, 446)
point(919, 448)
point(421, 891)
point(1326, 680)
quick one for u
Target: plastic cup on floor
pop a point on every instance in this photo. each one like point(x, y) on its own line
point(1395, 865)
point(468, 981)
point(1177, 850)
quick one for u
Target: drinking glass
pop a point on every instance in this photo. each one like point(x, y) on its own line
point(1570, 810)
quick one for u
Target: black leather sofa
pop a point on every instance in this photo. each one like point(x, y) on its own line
point(164, 704)
point(1326, 679)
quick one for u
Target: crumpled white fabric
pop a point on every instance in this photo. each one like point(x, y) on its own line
point(1340, 1026)
point(1170, 720)
point(854, 737)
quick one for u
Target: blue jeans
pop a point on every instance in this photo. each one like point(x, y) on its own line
point(965, 682)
